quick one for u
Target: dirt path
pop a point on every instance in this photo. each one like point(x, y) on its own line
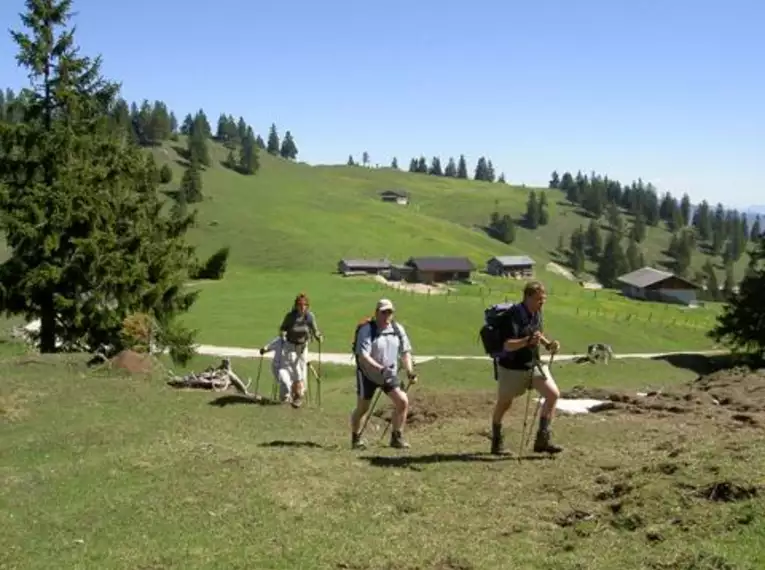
point(347, 358)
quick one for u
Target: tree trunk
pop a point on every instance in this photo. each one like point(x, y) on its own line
point(48, 327)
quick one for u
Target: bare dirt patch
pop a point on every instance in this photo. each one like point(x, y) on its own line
point(12, 408)
point(736, 396)
point(134, 363)
point(430, 407)
point(421, 288)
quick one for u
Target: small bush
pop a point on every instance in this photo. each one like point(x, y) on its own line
point(137, 332)
point(214, 267)
point(165, 174)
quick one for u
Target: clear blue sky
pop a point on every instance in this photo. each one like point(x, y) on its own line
point(670, 90)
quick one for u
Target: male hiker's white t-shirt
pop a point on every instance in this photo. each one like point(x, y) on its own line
point(385, 349)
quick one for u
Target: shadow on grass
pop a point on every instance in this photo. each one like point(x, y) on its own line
point(283, 443)
point(701, 364)
point(412, 461)
point(230, 399)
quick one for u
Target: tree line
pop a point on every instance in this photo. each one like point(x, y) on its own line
point(484, 169)
point(150, 124)
point(628, 209)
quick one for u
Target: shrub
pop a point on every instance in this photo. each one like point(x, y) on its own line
point(214, 267)
point(165, 174)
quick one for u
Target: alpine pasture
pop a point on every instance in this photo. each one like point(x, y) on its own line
point(288, 226)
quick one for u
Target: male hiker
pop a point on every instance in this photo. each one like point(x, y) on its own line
point(297, 328)
point(516, 369)
point(378, 345)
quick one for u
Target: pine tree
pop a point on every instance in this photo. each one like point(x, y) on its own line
point(435, 167)
point(260, 143)
point(462, 168)
point(544, 213)
point(756, 230)
point(289, 148)
point(481, 170)
point(350, 160)
point(198, 150)
point(532, 211)
point(249, 162)
point(633, 254)
point(451, 168)
point(272, 146)
point(594, 241)
point(365, 158)
point(394, 163)
point(638, 230)
point(740, 324)
point(501, 179)
point(106, 249)
point(554, 180)
point(713, 286)
point(613, 262)
point(191, 183)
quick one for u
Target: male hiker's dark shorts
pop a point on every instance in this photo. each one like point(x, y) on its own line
point(365, 388)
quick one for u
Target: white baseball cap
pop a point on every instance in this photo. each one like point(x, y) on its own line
point(384, 305)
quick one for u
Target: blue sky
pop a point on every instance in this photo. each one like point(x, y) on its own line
point(668, 90)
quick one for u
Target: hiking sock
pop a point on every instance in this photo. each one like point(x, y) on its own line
point(544, 424)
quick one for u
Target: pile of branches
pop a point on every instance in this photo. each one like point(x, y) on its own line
point(218, 379)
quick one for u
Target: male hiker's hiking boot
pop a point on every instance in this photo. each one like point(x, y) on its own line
point(542, 444)
point(497, 441)
point(397, 440)
point(357, 442)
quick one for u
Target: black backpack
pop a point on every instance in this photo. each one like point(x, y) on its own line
point(373, 323)
point(493, 333)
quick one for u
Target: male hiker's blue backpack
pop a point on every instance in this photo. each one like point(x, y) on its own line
point(493, 333)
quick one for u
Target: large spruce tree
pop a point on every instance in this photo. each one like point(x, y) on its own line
point(89, 242)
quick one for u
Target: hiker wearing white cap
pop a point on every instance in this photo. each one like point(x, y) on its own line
point(379, 343)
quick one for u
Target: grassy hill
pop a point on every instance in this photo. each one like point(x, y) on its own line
point(293, 216)
point(289, 225)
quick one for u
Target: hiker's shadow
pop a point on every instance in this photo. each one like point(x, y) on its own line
point(413, 461)
point(283, 443)
point(230, 399)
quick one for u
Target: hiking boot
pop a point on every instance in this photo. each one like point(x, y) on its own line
point(357, 442)
point(497, 440)
point(497, 445)
point(542, 444)
point(297, 400)
point(397, 440)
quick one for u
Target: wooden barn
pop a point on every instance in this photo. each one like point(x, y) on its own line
point(364, 266)
point(651, 284)
point(436, 269)
point(515, 266)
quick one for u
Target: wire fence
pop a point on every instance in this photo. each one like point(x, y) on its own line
point(570, 302)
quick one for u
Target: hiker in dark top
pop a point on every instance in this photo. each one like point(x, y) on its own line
point(297, 329)
point(516, 369)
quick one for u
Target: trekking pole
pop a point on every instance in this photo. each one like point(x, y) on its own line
point(406, 391)
point(539, 400)
point(369, 413)
point(318, 382)
point(257, 380)
point(526, 413)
